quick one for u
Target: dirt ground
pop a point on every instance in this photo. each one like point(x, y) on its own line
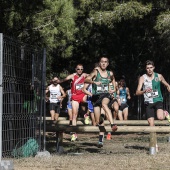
point(122, 152)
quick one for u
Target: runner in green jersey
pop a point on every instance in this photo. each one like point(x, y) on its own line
point(100, 79)
point(149, 86)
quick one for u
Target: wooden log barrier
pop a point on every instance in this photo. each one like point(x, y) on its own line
point(80, 121)
point(92, 129)
point(129, 126)
point(118, 122)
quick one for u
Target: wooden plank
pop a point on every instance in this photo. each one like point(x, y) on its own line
point(147, 129)
point(118, 122)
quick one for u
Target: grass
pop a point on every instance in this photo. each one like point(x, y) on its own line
point(123, 152)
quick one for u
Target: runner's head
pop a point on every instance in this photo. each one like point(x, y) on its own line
point(149, 67)
point(79, 69)
point(122, 83)
point(55, 80)
point(103, 63)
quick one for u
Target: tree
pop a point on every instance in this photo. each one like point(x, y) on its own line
point(46, 23)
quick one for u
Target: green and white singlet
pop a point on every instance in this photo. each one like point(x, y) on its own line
point(104, 87)
point(155, 95)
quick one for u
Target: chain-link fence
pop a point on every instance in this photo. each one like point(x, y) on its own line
point(22, 70)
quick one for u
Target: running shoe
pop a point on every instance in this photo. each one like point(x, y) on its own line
point(167, 115)
point(73, 137)
point(114, 127)
point(86, 119)
point(108, 137)
point(100, 145)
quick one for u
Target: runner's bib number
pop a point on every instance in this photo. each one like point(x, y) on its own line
point(102, 88)
point(53, 96)
point(123, 100)
point(153, 94)
point(79, 86)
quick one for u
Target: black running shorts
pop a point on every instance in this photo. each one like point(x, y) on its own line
point(55, 106)
point(97, 99)
point(151, 108)
point(123, 106)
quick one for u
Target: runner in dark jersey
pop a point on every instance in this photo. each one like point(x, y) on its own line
point(124, 94)
point(100, 79)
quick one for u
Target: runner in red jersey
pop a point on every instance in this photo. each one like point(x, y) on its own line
point(76, 89)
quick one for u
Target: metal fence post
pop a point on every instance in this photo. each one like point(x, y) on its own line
point(1, 91)
point(5, 164)
point(43, 153)
point(44, 109)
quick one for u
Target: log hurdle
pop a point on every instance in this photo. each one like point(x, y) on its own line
point(64, 120)
point(128, 122)
point(131, 126)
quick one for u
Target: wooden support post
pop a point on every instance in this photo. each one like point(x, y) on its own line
point(168, 140)
point(152, 144)
point(59, 142)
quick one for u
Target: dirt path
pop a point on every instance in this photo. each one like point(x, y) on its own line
point(122, 152)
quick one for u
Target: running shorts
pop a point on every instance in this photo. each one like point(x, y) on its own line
point(69, 105)
point(97, 99)
point(55, 107)
point(151, 108)
point(123, 106)
point(78, 97)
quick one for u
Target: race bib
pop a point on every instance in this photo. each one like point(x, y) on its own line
point(102, 88)
point(79, 86)
point(123, 100)
point(53, 96)
point(153, 94)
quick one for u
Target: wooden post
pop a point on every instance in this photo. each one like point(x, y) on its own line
point(168, 138)
point(59, 142)
point(152, 144)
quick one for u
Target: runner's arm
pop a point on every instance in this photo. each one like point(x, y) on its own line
point(139, 90)
point(69, 77)
point(63, 93)
point(113, 81)
point(47, 90)
point(90, 77)
point(128, 93)
point(163, 81)
point(85, 89)
point(117, 92)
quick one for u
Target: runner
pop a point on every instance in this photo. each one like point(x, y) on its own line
point(100, 79)
point(90, 112)
point(124, 94)
point(149, 86)
point(56, 96)
point(77, 94)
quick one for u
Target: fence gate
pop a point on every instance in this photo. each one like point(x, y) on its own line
point(22, 70)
